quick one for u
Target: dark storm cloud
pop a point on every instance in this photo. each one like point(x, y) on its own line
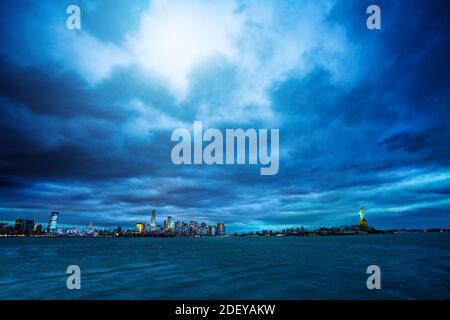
point(412, 142)
point(47, 91)
point(101, 151)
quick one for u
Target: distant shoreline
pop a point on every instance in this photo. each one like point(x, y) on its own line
point(236, 235)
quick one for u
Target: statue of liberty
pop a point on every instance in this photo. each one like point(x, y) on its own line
point(362, 221)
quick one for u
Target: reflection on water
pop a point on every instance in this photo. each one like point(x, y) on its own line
point(412, 266)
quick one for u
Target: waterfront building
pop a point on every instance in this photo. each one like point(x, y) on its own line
point(193, 228)
point(19, 227)
point(39, 229)
point(23, 226)
point(203, 229)
point(6, 228)
point(140, 228)
point(29, 227)
point(220, 229)
point(168, 224)
point(153, 222)
point(184, 228)
point(118, 232)
point(53, 222)
point(178, 227)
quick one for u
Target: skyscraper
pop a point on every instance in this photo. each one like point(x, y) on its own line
point(153, 223)
point(29, 227)
point(193, 228)
point(39, 229)
point(168, 224)
point(184, 228)
point(203, 229)
point(53, 222)
point(178, 227)
point(220, 229)
point(140, 227)
point(19, 227)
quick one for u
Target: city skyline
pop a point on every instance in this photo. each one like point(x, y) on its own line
point(54, 220)
point(87, 115)
point(145, 226)
point(169, 227)
point(173, 228)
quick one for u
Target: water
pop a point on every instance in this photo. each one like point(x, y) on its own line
point(413, 266)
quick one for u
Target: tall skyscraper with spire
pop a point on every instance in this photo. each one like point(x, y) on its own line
point(153, 222)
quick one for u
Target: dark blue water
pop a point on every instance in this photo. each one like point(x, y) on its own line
point(413, 266)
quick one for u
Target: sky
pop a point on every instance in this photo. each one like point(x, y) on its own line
point(86, 115)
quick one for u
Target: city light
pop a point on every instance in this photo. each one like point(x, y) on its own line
point(169, 228)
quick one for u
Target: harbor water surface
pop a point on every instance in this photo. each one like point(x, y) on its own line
point(413, 266)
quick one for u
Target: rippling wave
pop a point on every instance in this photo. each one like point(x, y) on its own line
point(413, 266)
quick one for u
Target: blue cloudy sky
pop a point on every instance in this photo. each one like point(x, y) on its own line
point(86, 115)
